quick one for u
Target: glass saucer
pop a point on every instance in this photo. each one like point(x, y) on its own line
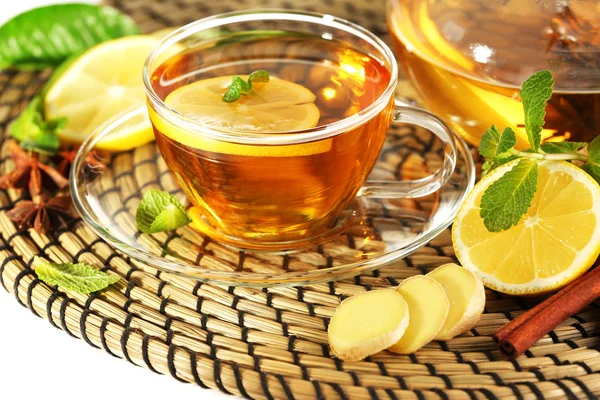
point(375, 233)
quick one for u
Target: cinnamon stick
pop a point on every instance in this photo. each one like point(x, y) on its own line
point(502, 333)
point(520, 334)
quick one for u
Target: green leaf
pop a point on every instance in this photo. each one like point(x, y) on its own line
point(33, 133)
point(258, 76)
point(508, 141)
point(507, 199)
point(239, 87)
point(235, 90)
point(489, 142)
point(535, 93)
point(562, 147)
point(592, 166)
point(495, 147)
point(80, 278)
point(493, 144)
point(160, 211)
point(46, 36)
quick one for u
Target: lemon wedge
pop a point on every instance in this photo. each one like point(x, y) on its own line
point(102, 83)
point(556, 241)
point(277, 106)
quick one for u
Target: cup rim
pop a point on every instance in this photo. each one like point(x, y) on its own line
point(271, 138)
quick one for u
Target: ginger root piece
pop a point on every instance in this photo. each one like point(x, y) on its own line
point(428, 307)
point(367, 323)
point(467, 299)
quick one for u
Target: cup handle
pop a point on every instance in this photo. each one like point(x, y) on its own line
point(424, 186)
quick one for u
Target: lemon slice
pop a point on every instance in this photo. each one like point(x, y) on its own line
point(104, 82)
point(554, 243)
point(278, 106)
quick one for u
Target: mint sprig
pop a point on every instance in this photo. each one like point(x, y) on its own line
point(80, 277)
point(160, 211)
point(240, 87)
point(508, 198)
point(34, 133)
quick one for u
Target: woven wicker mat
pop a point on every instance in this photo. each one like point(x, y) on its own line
point(272, 343)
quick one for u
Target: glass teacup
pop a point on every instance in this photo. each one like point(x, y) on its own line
point(277, 167)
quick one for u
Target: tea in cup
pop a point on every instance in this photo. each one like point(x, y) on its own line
point(271, 122)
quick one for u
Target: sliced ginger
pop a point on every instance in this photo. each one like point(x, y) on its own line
point(428, 307)
point(440, 305)
point(367, 323)
point(466, 295)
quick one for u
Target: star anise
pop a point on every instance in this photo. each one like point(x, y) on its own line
point(31, 173)
point(42, 213)
point(67, 157)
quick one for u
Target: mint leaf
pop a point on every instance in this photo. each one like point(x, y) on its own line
point(236, 89)
point(80, 278)
point(592, 166)
point(507, 199)
point(239, 87)
point(160, 211)
point(508, 140)
point(33, 133)
point(535, 93)
point(495, 147)
point(46, 36)
point(562, 147)
point(490, 140)
point(493, 144)
point(258, 76)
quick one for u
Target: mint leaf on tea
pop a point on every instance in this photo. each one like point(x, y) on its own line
point(236, 89)
point(160, 211)
point(535, 93)
point(507, 199)
point(80, 277)
point(45, 36)
point(258, 76)
point(33, 133)
point(240, 87)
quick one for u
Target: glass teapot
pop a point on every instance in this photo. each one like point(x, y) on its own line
point(468, 59)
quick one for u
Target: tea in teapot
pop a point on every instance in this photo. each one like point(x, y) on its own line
point(468, 59)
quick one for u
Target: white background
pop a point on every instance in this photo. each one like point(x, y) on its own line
point(38, 361)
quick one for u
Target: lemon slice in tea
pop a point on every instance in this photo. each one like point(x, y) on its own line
point(557, 240)
point(103, 82)
point(277, 106)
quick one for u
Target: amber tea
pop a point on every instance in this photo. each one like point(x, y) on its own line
point(273, 192)
point(468, 59)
